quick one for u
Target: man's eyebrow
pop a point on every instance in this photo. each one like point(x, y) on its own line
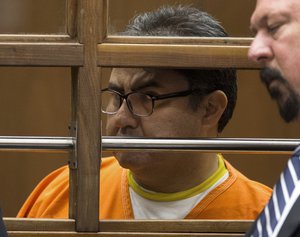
point(254, 26)
point(253, 29)
point(138, 86)
point(261, 21)
point(145, 84)
point(115, 87)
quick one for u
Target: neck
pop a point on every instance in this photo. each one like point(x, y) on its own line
point(179, 174)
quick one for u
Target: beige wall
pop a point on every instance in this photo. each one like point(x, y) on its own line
point(36, 101)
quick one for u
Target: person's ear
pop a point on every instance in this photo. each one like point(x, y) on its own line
point(214, 104)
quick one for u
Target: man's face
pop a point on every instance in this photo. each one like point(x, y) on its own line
point(276, 46)
point(171, 117)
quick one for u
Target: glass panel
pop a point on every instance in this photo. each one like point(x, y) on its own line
point(33, 102)
point(21, 172)
point(227, 12)
point(256, 115)
point(32, 16)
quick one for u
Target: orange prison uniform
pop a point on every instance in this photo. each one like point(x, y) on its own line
point(236, 198)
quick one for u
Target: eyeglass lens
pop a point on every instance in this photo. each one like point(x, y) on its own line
point(111, 102)
point(138, 103)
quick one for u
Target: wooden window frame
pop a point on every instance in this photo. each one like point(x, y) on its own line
point(86, 48)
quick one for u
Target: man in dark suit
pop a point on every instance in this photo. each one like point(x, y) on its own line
point(276, 46)
point(2, 227)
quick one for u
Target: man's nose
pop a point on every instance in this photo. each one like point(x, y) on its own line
point(123, 118)
point(260, 50)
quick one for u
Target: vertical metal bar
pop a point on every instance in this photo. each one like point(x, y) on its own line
point(71, 28)
point(73, 154)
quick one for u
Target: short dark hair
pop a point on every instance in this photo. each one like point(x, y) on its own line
point(189, 21)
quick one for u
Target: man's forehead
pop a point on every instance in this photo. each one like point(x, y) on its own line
point(128, 71)
point(266, 8)
point(131, 78)
point(138, 71)
point(260, 13)
point(130, 75)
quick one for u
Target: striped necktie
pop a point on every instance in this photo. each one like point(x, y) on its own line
point(285, 195)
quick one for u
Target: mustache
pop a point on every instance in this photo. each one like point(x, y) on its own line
point(269, 75)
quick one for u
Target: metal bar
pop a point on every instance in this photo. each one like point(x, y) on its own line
point(227, 145)
point(39, 143)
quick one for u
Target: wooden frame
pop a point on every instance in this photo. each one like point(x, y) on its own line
point(47, 227)
point(86, 47)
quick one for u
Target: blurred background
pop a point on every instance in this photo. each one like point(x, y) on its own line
point(35, 101)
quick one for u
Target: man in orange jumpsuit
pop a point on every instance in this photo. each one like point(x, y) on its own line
point(145, 102)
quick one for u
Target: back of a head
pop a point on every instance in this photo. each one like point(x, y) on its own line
point(175, 21)
point(186, 21)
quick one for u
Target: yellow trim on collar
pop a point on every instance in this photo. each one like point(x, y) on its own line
point(168, 197)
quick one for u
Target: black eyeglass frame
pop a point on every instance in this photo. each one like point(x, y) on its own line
point(153, 98)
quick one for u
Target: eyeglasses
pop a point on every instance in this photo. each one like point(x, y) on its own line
point(140, 104)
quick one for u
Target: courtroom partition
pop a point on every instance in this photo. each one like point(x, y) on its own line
point(61, 227)
point(86, 49)
point(73, 48)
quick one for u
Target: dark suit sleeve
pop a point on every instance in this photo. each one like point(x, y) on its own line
point(3, 232)
point(291, 225)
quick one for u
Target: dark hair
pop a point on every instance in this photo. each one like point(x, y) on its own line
point(189, 21)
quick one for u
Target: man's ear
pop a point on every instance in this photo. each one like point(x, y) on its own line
point(214, 104)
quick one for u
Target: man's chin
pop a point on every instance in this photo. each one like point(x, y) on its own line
point(290, 117)
point(289, 109)
point(281, 91)
point(131, 160)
